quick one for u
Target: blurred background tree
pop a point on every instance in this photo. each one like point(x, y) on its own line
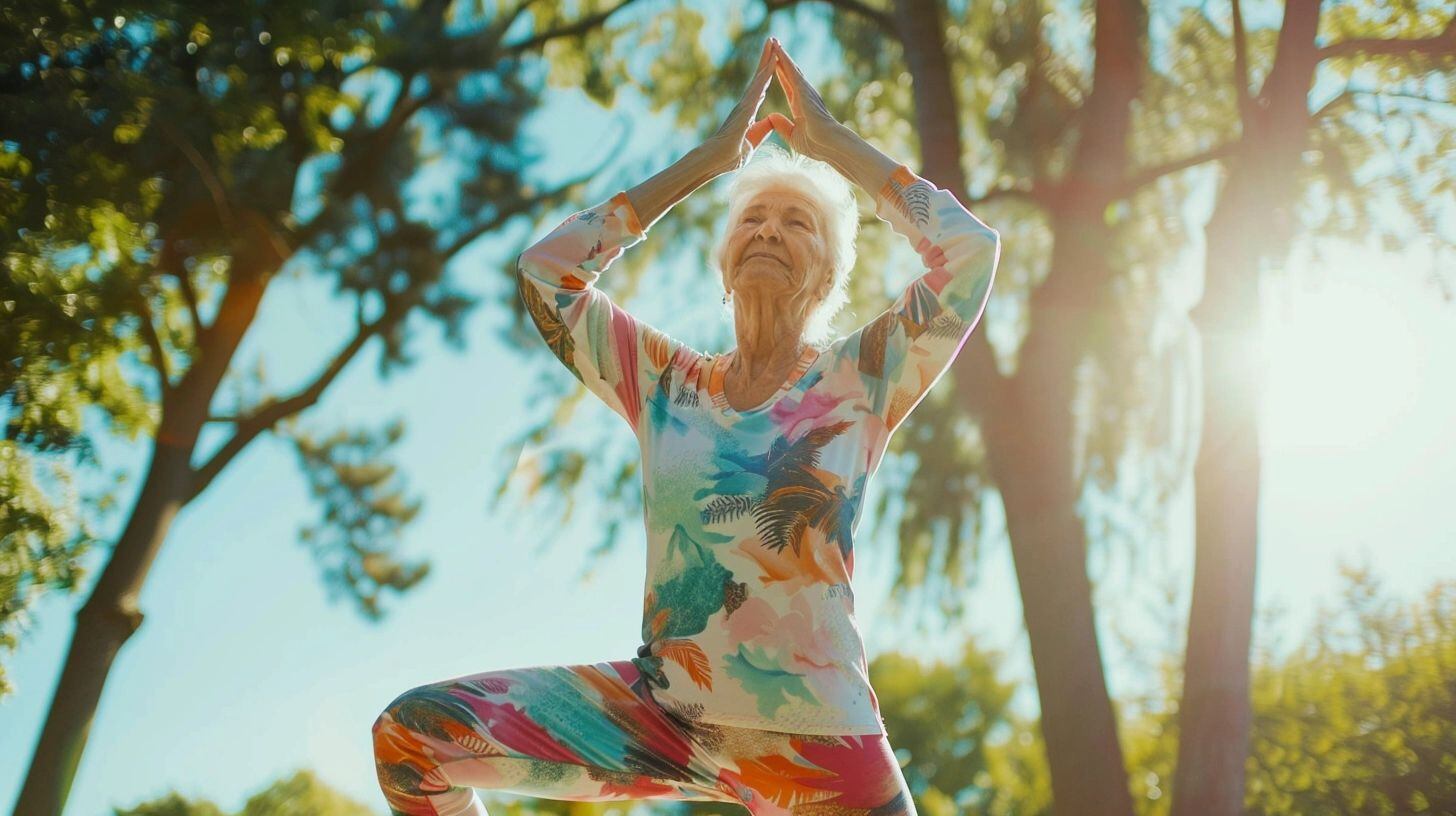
point(164, 162)
point(1096, 385)
point(301, 794)
point(1358, 718)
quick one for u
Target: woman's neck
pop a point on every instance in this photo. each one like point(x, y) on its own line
point(769, 339)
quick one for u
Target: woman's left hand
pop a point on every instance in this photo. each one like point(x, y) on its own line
point(740, 134)
point(813, 131)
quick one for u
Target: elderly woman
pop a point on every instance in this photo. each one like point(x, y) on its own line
point(751, 685)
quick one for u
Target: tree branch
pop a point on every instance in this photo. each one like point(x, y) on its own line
point(171, 262)
point(264, 417)
point(405, 106)
point(1441, 45)
point(1032, 192)
point(581, 26)
point(1241, 62)
point(882, 19)
point(1143, 178)
point(209, 178)
point(250, 425)
point(518, 207)
point(159, 358)
point(1402, 95)
point(1342, 96)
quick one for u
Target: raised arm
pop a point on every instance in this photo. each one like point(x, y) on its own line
point(905, 350)
point(617, 357)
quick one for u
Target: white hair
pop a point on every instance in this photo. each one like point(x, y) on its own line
point(821, 184)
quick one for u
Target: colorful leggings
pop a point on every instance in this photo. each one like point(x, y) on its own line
point(593, 732)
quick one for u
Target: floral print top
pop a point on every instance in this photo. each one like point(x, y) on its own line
point(748, 616)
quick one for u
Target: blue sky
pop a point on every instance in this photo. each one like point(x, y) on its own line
point(244, 670)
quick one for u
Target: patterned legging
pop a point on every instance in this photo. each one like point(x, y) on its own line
point(594, 732)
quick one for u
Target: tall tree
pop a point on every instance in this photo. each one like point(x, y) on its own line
point(1080, 154)
point(164, 162)
point(1285, 151)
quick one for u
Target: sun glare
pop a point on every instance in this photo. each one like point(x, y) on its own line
point(1344, 366)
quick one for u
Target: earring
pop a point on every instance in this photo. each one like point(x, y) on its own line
point(725, 295)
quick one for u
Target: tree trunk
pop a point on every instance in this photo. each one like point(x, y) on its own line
point(1029, 417)
point(1032, 459)
point(1215, 715)
point(1251, 223)
point(111, 614)
point(103, 625)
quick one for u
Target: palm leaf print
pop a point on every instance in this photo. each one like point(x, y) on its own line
point(920, 309)
point(947, 325)
point(793, 569)
point(872, 342)
point(657, 346)
point(784, 514)
point(795, 498)
point(659, 622)
point(549, 323)
point(690, 656)
point(787, 458)
point(686, 396)
point(473, 743)
point(784, 781)
point(917, 202)
point(900, 405)
point(691, 587)
point(724, 508)
point(833, 516)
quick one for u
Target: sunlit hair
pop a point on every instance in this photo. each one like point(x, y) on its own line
point(822, 184)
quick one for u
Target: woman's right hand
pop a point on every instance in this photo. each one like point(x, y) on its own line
point(740, 134)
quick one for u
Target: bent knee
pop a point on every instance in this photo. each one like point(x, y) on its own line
point(420, 711)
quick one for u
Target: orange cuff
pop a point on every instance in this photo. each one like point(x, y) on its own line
point(901, 178)
point(633, 222)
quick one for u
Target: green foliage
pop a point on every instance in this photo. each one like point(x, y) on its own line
point(1362, 718)
point(42, 540)
point(173, 804)
point(1358, 718)
point(302, 794)
point(944, 720)
point(162, 164)
point(350, 474)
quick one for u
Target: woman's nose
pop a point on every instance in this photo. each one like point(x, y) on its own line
point(774, 231)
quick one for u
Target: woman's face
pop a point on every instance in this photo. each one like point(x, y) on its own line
point(777, 247)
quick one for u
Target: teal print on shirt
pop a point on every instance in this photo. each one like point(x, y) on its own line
point(782, 491)
point(695, 592)
point(796, 498)
point(679, 607)
point(766, 680)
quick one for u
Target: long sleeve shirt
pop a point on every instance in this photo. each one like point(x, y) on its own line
point(748, 614)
